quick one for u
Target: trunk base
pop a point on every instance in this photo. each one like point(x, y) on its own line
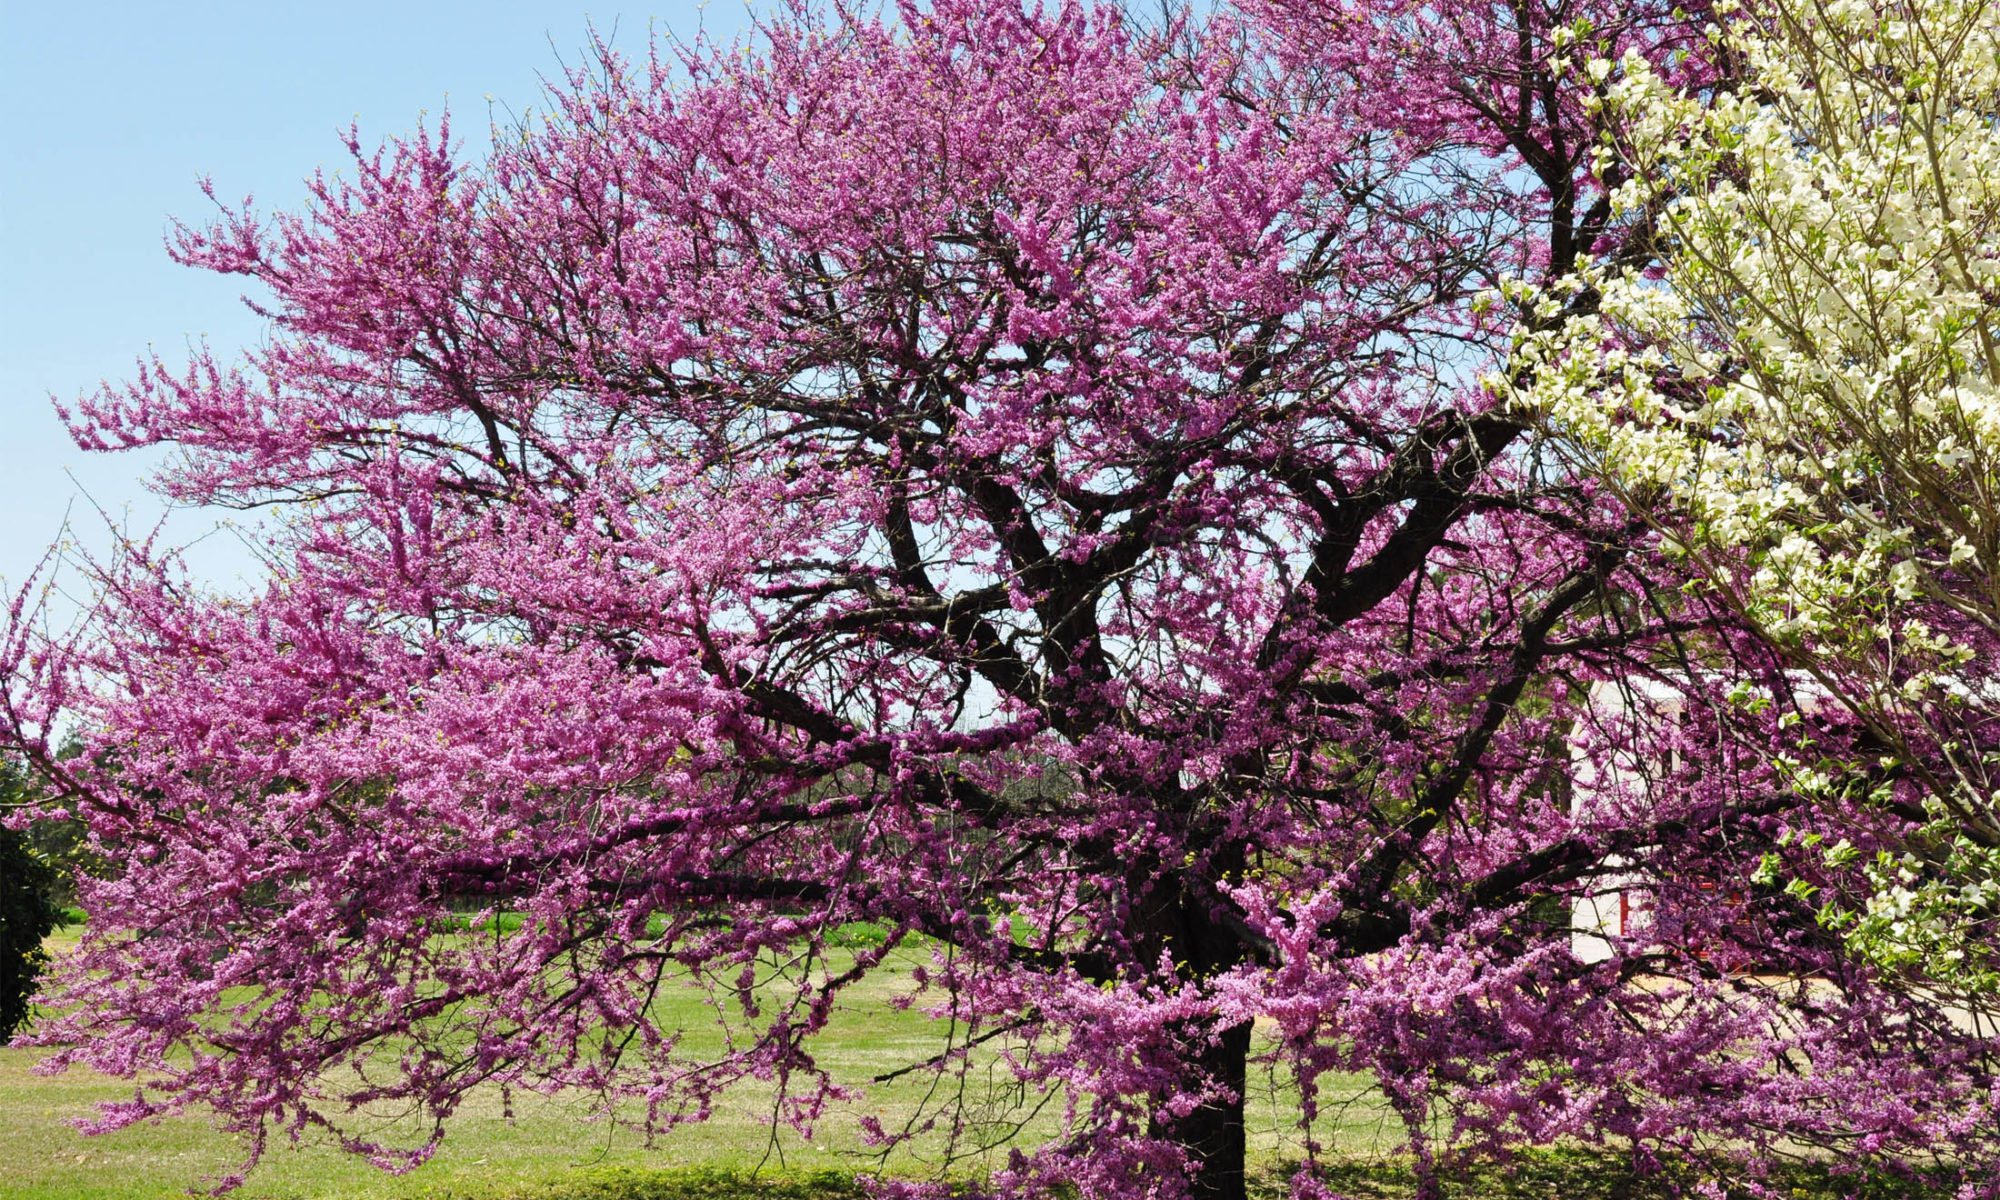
point(1213, 1134)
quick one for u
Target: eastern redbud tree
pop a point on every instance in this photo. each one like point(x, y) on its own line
point(1017, 476)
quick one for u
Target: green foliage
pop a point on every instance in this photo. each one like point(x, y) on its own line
point(31, 903)
point(27, 915)
point(62, 845)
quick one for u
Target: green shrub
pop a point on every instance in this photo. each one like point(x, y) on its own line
point(28, 913)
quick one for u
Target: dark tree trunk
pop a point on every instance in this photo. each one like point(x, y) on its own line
point(1213, 1134)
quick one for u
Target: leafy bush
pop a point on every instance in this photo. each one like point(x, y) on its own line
point(27, 915)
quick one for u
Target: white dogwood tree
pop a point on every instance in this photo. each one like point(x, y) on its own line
point(1803, 386)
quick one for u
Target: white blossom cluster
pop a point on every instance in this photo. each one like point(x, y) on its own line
point(1811, 379)
point(1804, 388)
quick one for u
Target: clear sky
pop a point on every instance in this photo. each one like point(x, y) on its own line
point(113, 111)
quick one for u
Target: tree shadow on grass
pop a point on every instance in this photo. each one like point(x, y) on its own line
point(1533, 1175)
point(1569, 1174)
point(626, 1183)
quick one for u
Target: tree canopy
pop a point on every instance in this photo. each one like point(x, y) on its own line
point(1018, 476)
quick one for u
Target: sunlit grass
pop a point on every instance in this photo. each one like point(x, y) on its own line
point(560, 1149)
point(553, 1146)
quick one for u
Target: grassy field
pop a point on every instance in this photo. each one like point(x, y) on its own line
point(557, 1150)
point(556, 1146)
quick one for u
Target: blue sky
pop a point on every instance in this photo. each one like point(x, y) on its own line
point(115, 110)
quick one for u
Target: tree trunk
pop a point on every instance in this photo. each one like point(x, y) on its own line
point(1213, 1135)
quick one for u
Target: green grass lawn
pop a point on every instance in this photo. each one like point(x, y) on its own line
point(556, 1146)
point(553, 1149)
